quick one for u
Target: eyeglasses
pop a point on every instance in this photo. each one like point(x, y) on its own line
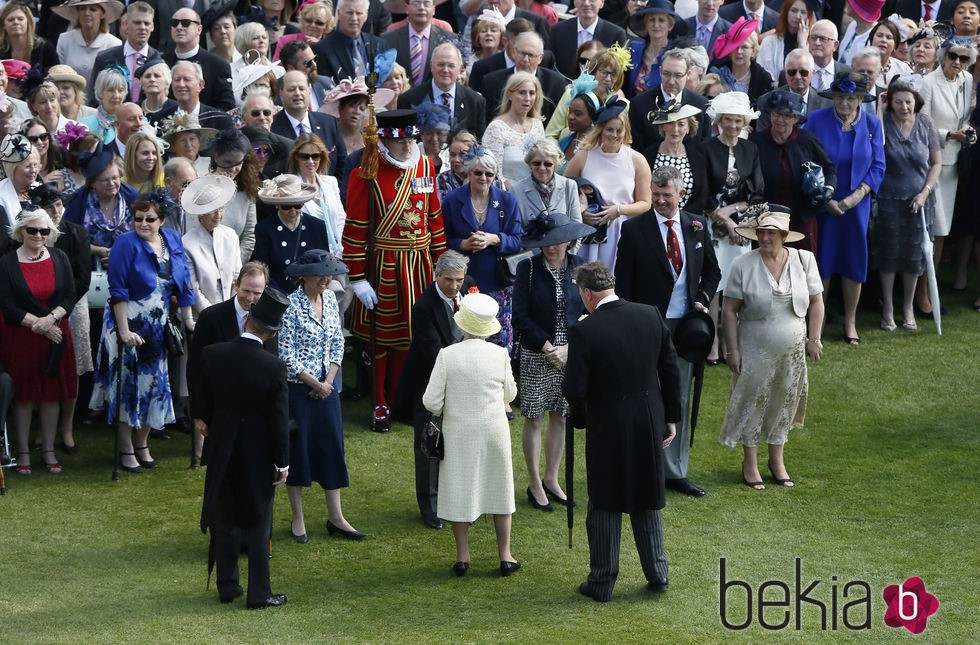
point(43, 232)
point(44, 136)
point(148, 219)
point(482, 173)
point(183, 22)
point(290, 207)
point(672, 75)
point(605, 73)
point(229, 165)
point(262, 151)
point(798, 72)
point(308, 156)
point(814, 38)
point(310, 63)
point(547, 164)
point(257, 113)
point(963, 58)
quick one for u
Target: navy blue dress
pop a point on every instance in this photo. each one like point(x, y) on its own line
point(278, 246)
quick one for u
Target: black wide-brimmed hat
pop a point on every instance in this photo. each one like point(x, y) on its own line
point(270, 308)
point(316, 262)
point(398, 124)
point(693, 336)
point(849, 83)
point(43, 195)
point(549, 229)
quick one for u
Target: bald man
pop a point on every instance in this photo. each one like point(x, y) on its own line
point(296, 118)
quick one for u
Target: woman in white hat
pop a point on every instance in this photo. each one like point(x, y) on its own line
point(213, 255)
point(89, 34)
point(348, 101)
point(470, 384)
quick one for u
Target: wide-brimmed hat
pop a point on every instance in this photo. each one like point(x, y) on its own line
point(849, 83)
point(867, 10)
point(113, 9)
point(94, 163)
point(734, 103)
point(737, 34)
point(286, 189)
point(65, 74)
point(185, 122)
point(330, 104)
point(674, 112)
point(43, 195)
point(783, 102)
point(549, 229)
point(316, 262)
point(398, 124)
point(636, 21)
point(249, 73)
point(14, 148)
point(769, 217)
point(694, 335)
point(477, 315)
point(270, 308)
point(207, 194)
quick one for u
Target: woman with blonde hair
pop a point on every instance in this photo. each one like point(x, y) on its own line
point(518, 122)
point(316, 20)
point(249, 36)
point(89, 34)
point(310, 161)
point(18, 39)
point(44, 103)
point(397, 82)
point(71, 92)
point(143, 166)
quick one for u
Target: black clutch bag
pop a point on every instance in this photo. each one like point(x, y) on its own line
point(52, 366)
point(173, 338)
point(431, 444)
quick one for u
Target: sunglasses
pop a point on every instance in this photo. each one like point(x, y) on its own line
point(308, 156)
point(963, 58)
point(183, 22)
point(318, 23)
point(44, 136)
point(290, 207)
point(148, 220)
point(798, 72)
point(262, 151)
point(43, 232)
point(546, 164)
point(228, 166)
point(257, 113)
point(482, 173)
point(310, 63)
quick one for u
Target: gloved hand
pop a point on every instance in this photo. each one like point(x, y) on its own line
point(365, 293)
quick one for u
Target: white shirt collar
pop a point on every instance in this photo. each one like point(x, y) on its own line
point(448, 301)
point(675, 218)
point(513, 12)
point(294, 122)
point(239, 311)
point(251, 336)
point(607, 299)
point(437, 92)
point(590, 28)
point(191, 54)
point(128, 49)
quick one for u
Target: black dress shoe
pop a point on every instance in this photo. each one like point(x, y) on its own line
point(546, 507)
point(460, 568)
point(586, 590)
point(350, 535)
point(160, 433)
point(145, 463)
point(68, 450)
point(684, 486)
point(658, 586)
point(432, 521)
point(507, 568)
point(301, 539)
point(235, 594)
point(277, 600)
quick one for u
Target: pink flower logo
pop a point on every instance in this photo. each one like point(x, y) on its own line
point(909, 605)
point(696, 226)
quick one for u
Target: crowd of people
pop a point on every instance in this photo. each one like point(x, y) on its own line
point(163, 168)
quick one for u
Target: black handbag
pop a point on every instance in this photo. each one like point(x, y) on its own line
point(813, 185)
point(506, 270)
point(431, 443)
point(173, 338)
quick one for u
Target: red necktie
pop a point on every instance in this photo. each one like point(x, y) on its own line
point(455, 305)
point(674, 248)
point(928, 15)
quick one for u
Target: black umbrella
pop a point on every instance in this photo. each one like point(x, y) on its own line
point(696, 396)
point(570, 474)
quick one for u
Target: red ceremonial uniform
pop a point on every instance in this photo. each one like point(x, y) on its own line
point(408, 239)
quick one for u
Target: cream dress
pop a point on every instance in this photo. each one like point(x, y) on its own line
point(470, 384)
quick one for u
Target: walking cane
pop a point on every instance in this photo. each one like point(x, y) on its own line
point(116, 457)
point(570, 474)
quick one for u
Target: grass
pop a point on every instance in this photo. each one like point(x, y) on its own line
point(886, 472)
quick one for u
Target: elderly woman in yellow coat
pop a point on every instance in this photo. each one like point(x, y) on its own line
point(470, 384)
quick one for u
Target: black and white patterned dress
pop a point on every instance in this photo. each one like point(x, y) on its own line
point(541, 382)
point(683, 165)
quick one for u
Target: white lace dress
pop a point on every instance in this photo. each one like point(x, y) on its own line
point(509, 146)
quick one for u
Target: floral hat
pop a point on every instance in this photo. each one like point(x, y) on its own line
point(433, 116)
point(352, 87)
point(185, 122)
point(286, 189)
point(767, 217)
point(848, 83)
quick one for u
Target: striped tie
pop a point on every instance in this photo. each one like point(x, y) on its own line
point(417, 70)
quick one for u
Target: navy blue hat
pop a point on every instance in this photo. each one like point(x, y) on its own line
point(636, 22)
point(316, 262)
point(613, 108)
point(784, 102)
point(93, 163)
point(549, 229)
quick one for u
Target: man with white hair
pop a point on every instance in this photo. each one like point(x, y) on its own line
point(185, 30)
point(527, 51)
point(187, 88)
point(343, 52)
point(822, 43)
point(867, 61)
point(466, 107)
point(796, 77)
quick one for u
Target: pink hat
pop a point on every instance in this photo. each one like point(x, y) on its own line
point(737, 34)
point(16, 69)
point(867, 10)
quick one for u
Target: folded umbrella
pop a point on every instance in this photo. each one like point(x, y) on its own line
point(931, 273)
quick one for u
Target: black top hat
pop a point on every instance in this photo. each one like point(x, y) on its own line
point(398, 124)
point(42, 195)
point(316, 262)
point(783, 102)
point(270, 308)
point(549, 229)
point(693, 336)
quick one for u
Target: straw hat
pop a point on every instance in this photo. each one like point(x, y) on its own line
point(207, 194)
point(771, 217)
point(352, 87)
point(185, 122)
point(286, 189)
point(733, 103)
point(316, 262)
point(113, 9)
point(477, 315)
point(65, 74)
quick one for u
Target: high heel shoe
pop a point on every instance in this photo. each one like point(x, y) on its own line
point(136, 470)
point(460, 568)
point(546, 507)
point(507, 568)
point(787, 482)
point(563, 501)
point(54, 467)
point(24, 467)
point(349, 535)
point(145, 463)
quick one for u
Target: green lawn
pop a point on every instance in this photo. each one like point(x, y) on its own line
point(886, 472)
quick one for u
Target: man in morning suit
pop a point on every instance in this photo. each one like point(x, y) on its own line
point(416, 41)
point(188, 89)
point(673, 76)
point(568, 35)
point(706, 25)
point(343, 52)
point(433, 328)
point(296, 118)
point(621, 383)
point(187, 46)
point(666, 259)
point(131, 54)
point(467, 108)
point(526, 51)
point(750, 9)
point(244, 412)
point(502, 60)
